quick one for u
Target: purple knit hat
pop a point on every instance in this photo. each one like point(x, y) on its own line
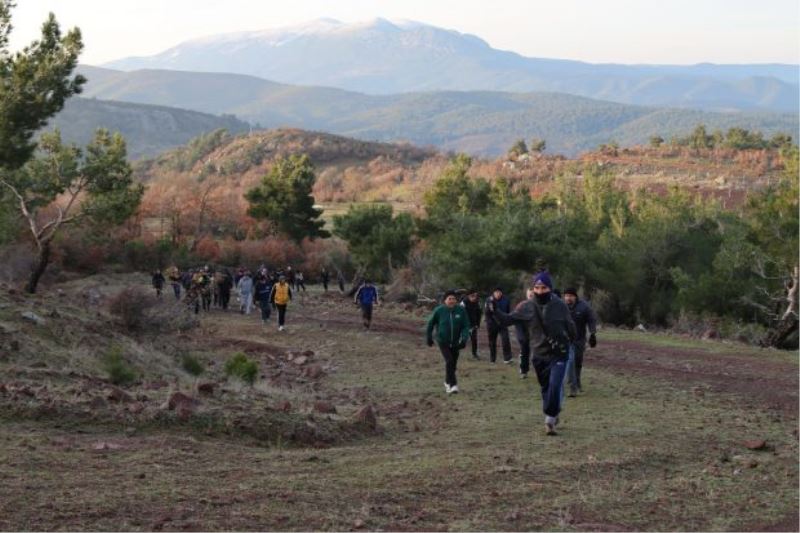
point(543, 277)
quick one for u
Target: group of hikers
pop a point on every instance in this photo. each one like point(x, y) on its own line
point(551, 332)
point(270, 290)
point(551, 328)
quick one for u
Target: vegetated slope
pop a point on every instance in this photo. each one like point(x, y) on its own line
point(349, 170)
point(346, 429)
point(384, 57)
point(148, 129)
point(478, 122)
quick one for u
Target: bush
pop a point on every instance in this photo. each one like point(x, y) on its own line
point(241, 367)
point(131, 306)
point(118, 370)
point(191, 365)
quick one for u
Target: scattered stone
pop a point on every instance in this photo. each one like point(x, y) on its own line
point(157, 384)
point(358, 523)
point(142, 398)
point(710, 333)
point(15, 345)
point(284, 406)
point(300, 360)
point(206, 388)
point(699, 392)
point(33, 317)
point(755, 444)
point(103, 445)
point(314, 371)
point(97, 403)
point(54, 314)
point(309, 353)
point(366, 416)
point(135, 408)
point(324, 407)
point(115, 394)
point(182, 404)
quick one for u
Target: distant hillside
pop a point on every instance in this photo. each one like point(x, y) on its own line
point(383, 57)
point(483, 123)
point(148, 129)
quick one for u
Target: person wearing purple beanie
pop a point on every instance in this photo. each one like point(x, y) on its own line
point(550, 331)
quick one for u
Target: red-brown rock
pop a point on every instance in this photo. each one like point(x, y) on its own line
point(366, 416)
point(324, 407)
point(206, 388)
point(115, 394)
point(755, 444)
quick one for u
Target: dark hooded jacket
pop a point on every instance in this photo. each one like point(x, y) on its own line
point(550, 326)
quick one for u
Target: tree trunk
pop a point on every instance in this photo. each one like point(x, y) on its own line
point(41, 264)
point(787, 325)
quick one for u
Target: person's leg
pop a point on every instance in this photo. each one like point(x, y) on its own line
point(449, 356)
point(506, 344)
point(473, 337)
point(553, 395)
point(281, 315)
point(525, 357)
point(264, 310)
point(248, 303)
point(492, 333)
point(569, 374)
point(579, 351)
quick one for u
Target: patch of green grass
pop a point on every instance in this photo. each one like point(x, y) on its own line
point(119, 371)
point(241, 367)
point(192, 365)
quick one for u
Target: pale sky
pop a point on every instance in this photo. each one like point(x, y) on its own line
point(598, 31)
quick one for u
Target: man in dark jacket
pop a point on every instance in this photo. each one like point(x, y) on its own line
point(452, 331)
point(497, 300)
point(224, 287)
point(550, 331)
point(474, 313)
point(262, 292)
point(584, 317)
point(366, 296)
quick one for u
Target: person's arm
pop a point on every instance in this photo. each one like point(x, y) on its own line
point(523, 313)
point(572, 330)
point(480, 315)
point(432, 321)
point(465, 329)
point(355, 297)
point(376, 299)
point(290, 293)
point(272, 295)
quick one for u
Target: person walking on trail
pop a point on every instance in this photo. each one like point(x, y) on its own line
point(497, 300)
point(366, 296)
point(300, 282)
point(340, 280)
point(326, 278)
point(291, 277)
point(224, 286)
point(174, 276)
point(452, 332)
point(524, 341)
point(158, 282)
point(474, 313)
point(281, 295)
point(584, 318)
point(207, 288)
point(550, 330)
point(262, 291)
point(245, 288)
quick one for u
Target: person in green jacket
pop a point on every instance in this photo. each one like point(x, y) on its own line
point(452, 333)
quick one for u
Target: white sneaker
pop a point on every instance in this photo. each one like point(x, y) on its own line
point(447, 388)
point(454, 389)
point(280, 328)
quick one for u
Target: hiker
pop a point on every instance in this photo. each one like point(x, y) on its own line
point(194, 296)
point(340, 280)
point(291, 277)
point(207, 288)
point(497, 300)
point(174, 276)
point(584, 317)
point(452, 331)
point(186, 279)
point(550, 330)
point(300, 282)
point(474, 313)
point(365, 297)
point(224, 286)
point(523, 341)
point(326, 278)
point(158, 282)
point(245, 288)
point(262, 291)
point(280, 296)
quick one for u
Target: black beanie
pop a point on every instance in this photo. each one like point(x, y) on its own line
point(571, 290)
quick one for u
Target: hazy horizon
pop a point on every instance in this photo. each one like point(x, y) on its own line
point(628, 32)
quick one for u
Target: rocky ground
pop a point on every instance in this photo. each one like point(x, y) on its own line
point(350, 429)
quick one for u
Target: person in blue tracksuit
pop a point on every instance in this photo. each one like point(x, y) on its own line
point(366, 296)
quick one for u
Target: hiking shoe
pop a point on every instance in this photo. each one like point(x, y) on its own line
point(508, 361)
point(281, 328)
point(523, 375)
point(454, 389)
point(550, 429)
point(572, 394)
point(447, 388)
point(476, 357)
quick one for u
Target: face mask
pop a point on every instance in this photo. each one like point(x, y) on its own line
point(542, 298)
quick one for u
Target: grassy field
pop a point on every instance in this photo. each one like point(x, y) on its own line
point(656, 442)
